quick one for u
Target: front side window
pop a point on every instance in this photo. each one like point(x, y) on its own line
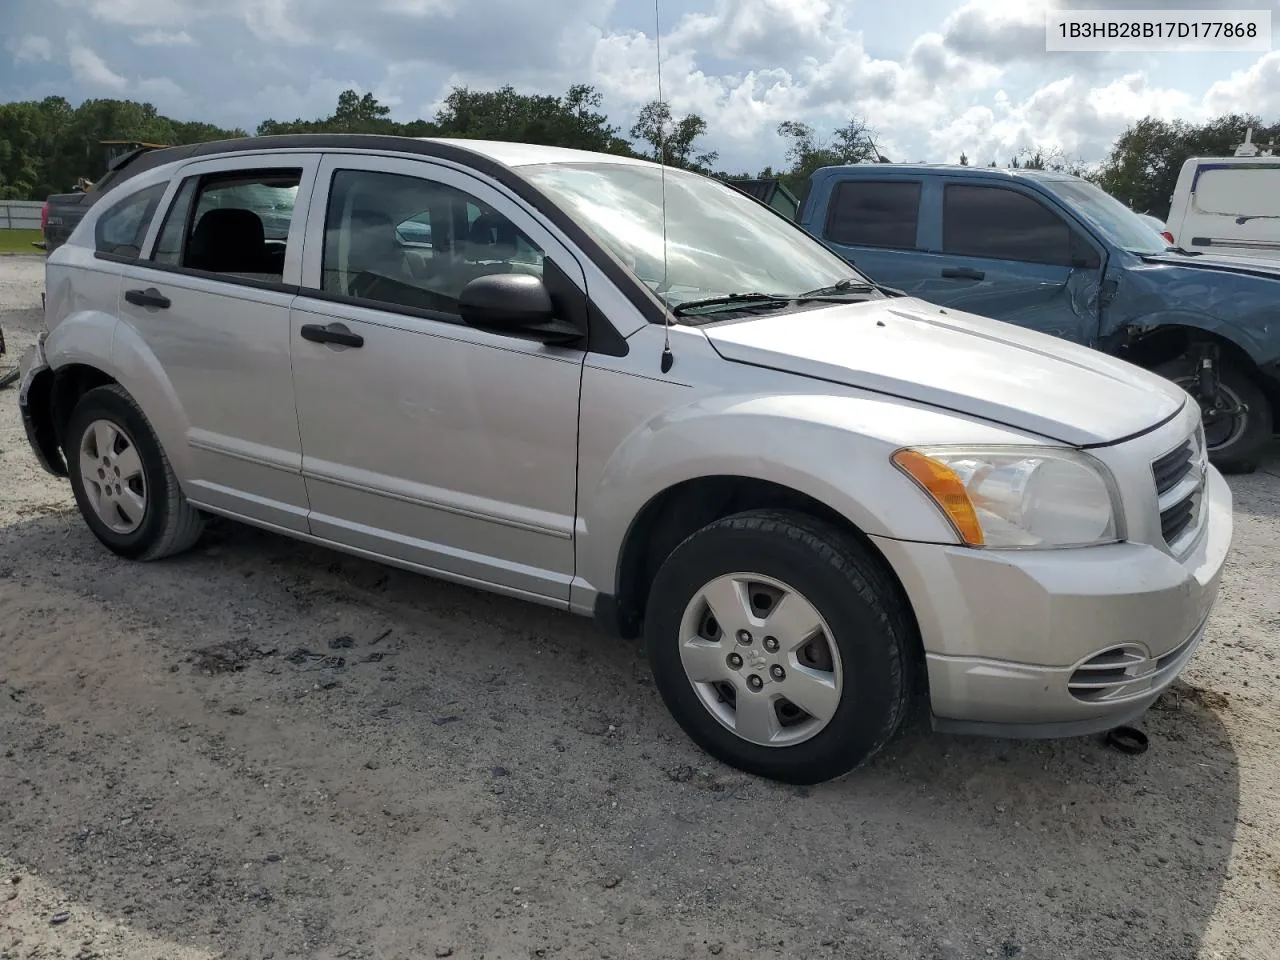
point(231, 223)
point(121, 230)
point(413, 242)
point(1000, 224)
point(875, 214)
point(718, 241)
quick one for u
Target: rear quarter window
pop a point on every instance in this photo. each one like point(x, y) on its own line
point(120, 230)
point(874, 213)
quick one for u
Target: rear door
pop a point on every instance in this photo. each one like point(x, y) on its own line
point(875, 225)
point(1007, 254)
point(210, 300)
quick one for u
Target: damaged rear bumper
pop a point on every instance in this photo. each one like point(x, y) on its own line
point(34, 387)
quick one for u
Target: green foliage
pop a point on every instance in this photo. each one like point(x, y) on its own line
point(807, 153)
point(1143, 166)
point(47, 145)
point(672, 141)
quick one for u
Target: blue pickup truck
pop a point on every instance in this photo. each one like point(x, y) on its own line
point(1055, 253)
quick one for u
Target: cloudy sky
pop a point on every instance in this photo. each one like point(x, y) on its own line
point(932, 77)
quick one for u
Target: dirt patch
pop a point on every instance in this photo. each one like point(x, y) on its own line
point(263, 749)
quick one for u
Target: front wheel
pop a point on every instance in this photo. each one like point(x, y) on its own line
point(1237, 426)
point(780, 645)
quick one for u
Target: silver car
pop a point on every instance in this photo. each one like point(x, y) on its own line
point(640, 395)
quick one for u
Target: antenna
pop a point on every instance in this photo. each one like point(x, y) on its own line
point(667, 357)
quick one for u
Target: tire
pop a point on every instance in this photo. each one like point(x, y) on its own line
point(1234, 443)
point(864, 628)
point(156, 521)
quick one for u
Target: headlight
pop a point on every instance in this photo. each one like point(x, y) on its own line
point(1010, 497)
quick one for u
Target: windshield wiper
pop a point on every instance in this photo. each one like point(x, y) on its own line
point(732, 300)
point(850, 285)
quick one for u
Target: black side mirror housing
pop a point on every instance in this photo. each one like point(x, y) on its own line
point(515, 303)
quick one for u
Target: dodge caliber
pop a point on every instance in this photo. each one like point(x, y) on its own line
point(637, 394)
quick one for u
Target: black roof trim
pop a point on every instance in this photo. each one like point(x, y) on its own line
point(640, 296)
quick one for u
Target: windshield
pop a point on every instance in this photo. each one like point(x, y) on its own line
point(719, 240)
point(1122, 226)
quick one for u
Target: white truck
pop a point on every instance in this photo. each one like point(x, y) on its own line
point(1229, 205)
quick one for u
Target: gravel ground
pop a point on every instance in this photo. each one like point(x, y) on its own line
point(265, 750)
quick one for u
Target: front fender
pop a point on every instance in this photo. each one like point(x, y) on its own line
point(834, 448)
point(1252, 343)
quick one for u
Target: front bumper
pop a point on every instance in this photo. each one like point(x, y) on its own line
point(1006, 632)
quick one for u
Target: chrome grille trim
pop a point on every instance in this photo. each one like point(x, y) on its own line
point(1179, 478)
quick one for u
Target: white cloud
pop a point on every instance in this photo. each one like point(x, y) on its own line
point(1255, 90)
point(164, 38)
point(933, 78)
point(31, 49)
point(90, 69)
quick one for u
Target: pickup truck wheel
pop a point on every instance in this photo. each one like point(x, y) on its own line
point(780, 646)
point(122, 480)
point(1234, 437)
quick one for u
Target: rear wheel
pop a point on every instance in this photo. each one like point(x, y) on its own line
point(1237, 425)
point(780, 645)
point(122, 480)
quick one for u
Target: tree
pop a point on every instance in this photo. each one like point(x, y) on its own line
point(964, 160)
point(574, 120)
point(1143, 166)
point(851, 143)
point(672, 143)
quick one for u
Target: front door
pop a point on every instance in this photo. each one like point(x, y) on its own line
point(1005, 254)
point(425, 440)
point(210, 300)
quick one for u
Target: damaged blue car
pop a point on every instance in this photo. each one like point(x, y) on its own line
point(1053, 252)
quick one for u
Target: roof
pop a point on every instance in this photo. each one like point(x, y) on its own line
point(951, 169)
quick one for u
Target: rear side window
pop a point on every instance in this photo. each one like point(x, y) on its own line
point(874, 214)
point(1002, 224)
point(235, 224)
point(120, 231)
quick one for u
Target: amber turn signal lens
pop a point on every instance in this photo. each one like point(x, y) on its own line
point(946, 489)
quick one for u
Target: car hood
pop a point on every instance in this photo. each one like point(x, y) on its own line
point(958, 361)
point(1267, 267)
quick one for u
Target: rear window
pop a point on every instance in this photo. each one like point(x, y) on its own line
point(874, 213)
point(1001, 224)
point(1239, 191)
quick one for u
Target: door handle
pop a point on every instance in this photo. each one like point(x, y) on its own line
point(150, 297)
point(962, 273)
point(317, 333)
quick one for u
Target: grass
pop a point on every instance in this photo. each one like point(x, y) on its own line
point(19, 241)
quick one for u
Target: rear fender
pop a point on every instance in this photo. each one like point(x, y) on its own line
point(96, 339)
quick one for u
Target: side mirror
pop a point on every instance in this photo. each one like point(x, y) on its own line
point(515, 303)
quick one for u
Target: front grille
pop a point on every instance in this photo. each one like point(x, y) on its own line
point(1179, 482)
point(1172, 467)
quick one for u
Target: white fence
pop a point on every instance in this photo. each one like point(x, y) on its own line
point(20, 214)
